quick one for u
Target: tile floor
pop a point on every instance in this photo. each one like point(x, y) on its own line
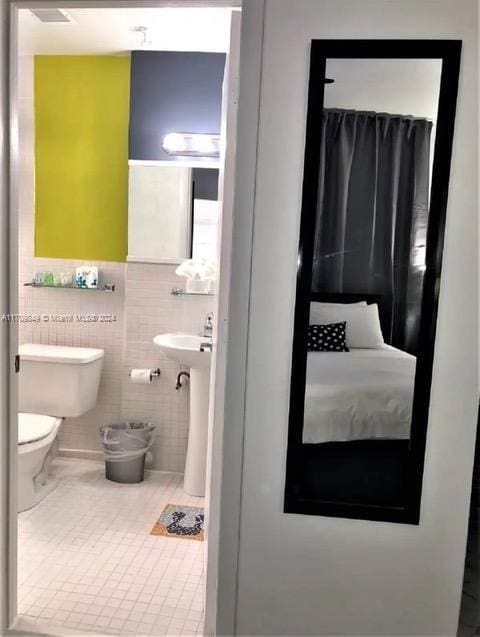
point(88, 563)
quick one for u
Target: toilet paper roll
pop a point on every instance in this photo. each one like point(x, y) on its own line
point(141, 376)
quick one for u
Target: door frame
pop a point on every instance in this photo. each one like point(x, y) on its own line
point(229, 391)
point(231, 351)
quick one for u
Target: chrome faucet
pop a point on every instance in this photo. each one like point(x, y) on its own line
point(208, 326)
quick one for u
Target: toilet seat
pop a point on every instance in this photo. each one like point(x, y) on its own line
point(34, 427)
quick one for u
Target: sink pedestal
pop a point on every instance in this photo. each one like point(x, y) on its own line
point(196, 462)
point(187, 349)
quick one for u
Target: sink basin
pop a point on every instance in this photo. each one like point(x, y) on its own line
point(184, 348)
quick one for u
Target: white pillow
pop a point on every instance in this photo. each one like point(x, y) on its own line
point(363, 323)
point(318, 306)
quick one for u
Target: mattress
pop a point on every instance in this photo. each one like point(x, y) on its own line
point(363, 394)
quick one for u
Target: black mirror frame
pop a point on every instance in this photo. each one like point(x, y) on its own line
point(449, 51)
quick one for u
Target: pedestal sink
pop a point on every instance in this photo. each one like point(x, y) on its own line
point(185, 349)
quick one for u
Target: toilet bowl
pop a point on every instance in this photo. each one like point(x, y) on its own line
point(56, 382)
point(37, 447)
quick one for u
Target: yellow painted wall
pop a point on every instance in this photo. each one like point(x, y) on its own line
point(81, 157)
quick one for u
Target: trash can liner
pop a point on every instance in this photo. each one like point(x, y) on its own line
point(127, 441)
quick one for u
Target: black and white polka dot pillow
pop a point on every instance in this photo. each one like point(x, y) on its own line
point(327, 338)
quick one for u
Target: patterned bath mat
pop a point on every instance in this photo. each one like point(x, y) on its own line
point(181, 522)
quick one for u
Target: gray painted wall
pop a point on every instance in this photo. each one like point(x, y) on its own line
point(206, 183)
point(173, 92)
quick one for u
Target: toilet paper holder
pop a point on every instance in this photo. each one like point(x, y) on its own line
point(154, 373)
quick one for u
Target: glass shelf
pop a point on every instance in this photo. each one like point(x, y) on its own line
point(180, 292)
point(107, 287)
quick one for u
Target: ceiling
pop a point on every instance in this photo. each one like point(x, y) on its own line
point(110, 31)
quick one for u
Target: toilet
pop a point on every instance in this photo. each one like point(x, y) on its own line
point(55, 382)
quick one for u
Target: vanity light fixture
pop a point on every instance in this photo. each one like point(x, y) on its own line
point(192, 144)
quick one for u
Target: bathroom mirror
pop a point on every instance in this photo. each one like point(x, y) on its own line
point(172, 212)
point(378, 144)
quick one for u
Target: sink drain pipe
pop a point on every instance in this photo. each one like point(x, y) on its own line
point(179, 379)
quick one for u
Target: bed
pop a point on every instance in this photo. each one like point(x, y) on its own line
point(357, 418)
point(363, 394)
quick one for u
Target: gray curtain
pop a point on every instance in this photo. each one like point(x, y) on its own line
point(373, 211)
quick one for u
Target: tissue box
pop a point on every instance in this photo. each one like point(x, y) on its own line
point(87, 277)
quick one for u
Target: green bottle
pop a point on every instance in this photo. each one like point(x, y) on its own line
point(48, 278)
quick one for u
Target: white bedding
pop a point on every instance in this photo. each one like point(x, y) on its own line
point(358, 395)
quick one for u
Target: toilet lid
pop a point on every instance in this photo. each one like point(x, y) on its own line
point(32, 427)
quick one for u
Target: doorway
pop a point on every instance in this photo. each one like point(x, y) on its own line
point(108, 545)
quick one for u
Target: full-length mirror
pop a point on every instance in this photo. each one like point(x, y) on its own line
point(378, 144)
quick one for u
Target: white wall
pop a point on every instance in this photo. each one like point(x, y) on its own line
point(400, 87)
point(322, 576)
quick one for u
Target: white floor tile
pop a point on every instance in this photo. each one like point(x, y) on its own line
point(88, 562)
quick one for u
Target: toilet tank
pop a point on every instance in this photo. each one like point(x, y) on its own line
point(58, 381)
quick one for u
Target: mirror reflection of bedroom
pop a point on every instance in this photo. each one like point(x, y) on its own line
point(378, 134)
